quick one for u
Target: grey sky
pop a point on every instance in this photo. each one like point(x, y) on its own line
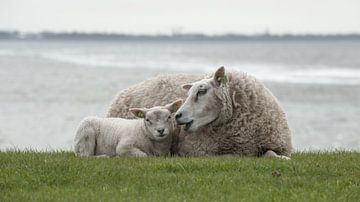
point(162, 16)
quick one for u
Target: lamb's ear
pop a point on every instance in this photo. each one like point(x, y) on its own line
point(138, 112)
point(220, 77)
point(187, 86)
point(173, 107)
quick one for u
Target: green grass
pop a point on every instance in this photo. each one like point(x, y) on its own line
point(60, 176)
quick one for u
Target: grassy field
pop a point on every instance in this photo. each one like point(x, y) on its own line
point(60, 176)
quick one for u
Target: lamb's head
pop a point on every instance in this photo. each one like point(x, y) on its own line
point(158, 120)
point(208, 103)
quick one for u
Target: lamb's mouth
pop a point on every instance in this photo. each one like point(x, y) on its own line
point(161, 136)
point(188, 125)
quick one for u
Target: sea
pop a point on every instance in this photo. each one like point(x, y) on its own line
point(48, 86)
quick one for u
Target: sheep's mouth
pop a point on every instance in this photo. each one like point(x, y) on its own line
point(188, 124)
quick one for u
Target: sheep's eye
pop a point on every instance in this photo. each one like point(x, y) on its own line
point(201, 92)
point(169, 117)
point(148, 121)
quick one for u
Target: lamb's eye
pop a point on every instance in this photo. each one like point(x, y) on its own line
point(148, 121)
point(169, 117)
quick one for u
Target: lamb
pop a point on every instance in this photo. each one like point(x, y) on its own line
point(226, 114)
point(149, 136)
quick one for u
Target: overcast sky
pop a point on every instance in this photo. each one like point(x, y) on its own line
point(163, 16)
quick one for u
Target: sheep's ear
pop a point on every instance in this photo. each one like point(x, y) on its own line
point(138, 112)
point(173, 107)
point(220, 77)
point(186, 86)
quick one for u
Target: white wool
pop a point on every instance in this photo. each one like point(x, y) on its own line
point(118, 137)
point(251, 121)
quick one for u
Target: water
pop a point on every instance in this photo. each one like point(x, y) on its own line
point(295, 62)
point(48, 86)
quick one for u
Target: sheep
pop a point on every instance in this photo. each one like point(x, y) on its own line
point(225, 114)
point(149, 136)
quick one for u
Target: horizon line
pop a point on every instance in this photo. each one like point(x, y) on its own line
point(182, 33)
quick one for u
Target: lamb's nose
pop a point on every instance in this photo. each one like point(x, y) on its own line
point(161, 131)
point(178, 115)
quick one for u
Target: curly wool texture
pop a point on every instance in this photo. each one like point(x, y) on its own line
point(251, 121)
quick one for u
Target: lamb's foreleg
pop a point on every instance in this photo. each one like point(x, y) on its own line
point(128, 150)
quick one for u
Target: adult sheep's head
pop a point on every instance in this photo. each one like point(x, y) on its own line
point(158, 120)
point(208, 102)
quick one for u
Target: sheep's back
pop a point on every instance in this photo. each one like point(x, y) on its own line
point(157, 91)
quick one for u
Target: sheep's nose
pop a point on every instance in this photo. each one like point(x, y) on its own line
point(178, 115)
point(161, 131)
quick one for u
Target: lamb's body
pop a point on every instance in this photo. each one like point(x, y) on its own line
point(117, 137)
point(257, 123)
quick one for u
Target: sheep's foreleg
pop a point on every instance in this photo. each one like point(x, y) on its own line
point(271, 153)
